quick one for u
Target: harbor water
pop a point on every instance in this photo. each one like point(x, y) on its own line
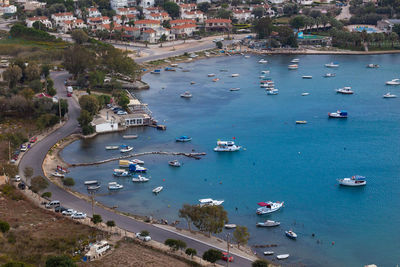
point(280, 160)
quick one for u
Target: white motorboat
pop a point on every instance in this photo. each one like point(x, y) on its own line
point(114, 186)
point(131, 136)
point(306, 77)
point(125, 149)
point(265, 72)
point(226, 146)
point(234, 89)
point(137, 168)
point(282, 256)
point(328, 75)
point(389, 95)
point(301, 122)
point(120, 173)
point(356, 180)
point(268, 253)
point(57, 174)
point(268, 223)
point(112, 147)
point(295, 60)
point(272, 91)
point(211, 74)
point(373, 66)
point(293, 67)
point(93, 187)
point(305, 94)
point(174, 163)
point(210, 202)
point(263, 61)
point(269, 207)
point(230, 226)
point(137, 161)
point(235, 75)
point(291, 234)
point(332, 65)
point(261, 76)
point(393, 82)
point(246, 56)
point(91, 182)
point(174, 65)
point(345, 90)
point(338, 114)
point(157, 189)
point(186, 94)
point(140, 179)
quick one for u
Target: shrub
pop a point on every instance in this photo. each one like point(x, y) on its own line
point(68, 181)
point(38, 183)
point(212, 255)
point(260, 263)
point(59, 261)
point(4, 226)
point(14, 264)
point(191, 252)
point(21, 31)
point(110, 223)
point(96, 219)
point(144, 233)
point(219, 44)
point(46, 195)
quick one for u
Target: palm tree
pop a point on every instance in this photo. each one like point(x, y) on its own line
point(111, 28)
point(393, 37)
point(123, 19)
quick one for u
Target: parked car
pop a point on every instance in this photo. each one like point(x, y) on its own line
point(17, 178)
point(33, 139)
point(53, 204)
point(68, 212)
point(218, 39)
point(197, 37)
point(78, 215)
point(60, 209)
point(144, 237)
point(22, 186)
point(121, 112)
point(227, 257)
point(23, 148)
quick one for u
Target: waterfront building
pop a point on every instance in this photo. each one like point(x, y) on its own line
point(386, 25)
point(218, 24)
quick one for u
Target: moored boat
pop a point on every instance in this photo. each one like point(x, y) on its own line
point(130, 136)
point(192, 82)
point(234, 89)
point(91, 182)
point(112, 147)
point(282, 256)
point(157, 71)
point(215, 80)
point(268, 253)
point(356, 180)
point(272, 91)
point(137, 168)
point(332, 65)
point(338, 114)
point(293, 67)
point(291, 234)
point(263, 61)
point(211, 74)
point(345, 90)
point(157, 189)
point(93, 187)
point(265, 72)
point(301, 122)
point(120, 173)
point(268, 207)
point(373, 66)
point(210, 202)
point(389, 95)
point(183, 138)
point(393, 82)
point(125, 149)
point(305, 94)
point(235, 74)
point(169, 69)
point(268, 223)
point(114, 186)
point(330, 75)
point(174, 163)
point(295, 60)
point(57, 174)
point(230, 226)
point(140, 179)
point(226, 146)
point(186, 94)
point(306, 77)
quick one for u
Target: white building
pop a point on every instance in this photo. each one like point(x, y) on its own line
point(242, 15)
point(187, 7)
point(43, 19)
point(158, 16)
point(147, 24)
point(8, 9)
point(97, 250)
point(115, 4)
point(103, 126)
point(127, 11)
point(93, 12)
point(183, 30)
point(196, 15)
point(60, 17)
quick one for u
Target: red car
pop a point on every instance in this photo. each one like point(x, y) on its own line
point(227, 257)
point(33, 139)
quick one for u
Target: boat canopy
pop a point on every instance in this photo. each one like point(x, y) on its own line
point(132, 167)
point(358, 177)
point(183, 137)
point(343, 112)
point(119, 170)
point(263, 204)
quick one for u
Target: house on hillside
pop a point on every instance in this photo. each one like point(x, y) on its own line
point(196, 15)
point(183, 30)
point(187, 7)
point(93, 12)
point(42, 19)
point(60, 17)
point(386, 25)
point(218, 24)
point(242, 15)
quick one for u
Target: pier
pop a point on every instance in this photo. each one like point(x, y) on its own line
point(189, 155)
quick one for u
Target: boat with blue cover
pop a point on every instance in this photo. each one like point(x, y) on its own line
point(137, 168)
point(183, 138)
point(157, 71)
point(169, 69)
point(338, 114)
point(356, 180)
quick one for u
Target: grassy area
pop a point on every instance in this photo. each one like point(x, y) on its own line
point(281, 20)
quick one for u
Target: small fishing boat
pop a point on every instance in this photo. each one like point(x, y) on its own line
point(235, 74)
point(192, 82)
point(261, 76)
point(120, 173)
point(157, 189)
point(57, 174)
point(268, 207)
point(306, 77)
point(174, 163)
point(268, 253)
point(114, 186)
point(293, 67)
point(282, 256)
point(93, 187)
point(345, 90)
point(389, 95)
point(295, 60)
point(140, 179)
point(210, 202)
point(265, 72)
point(268, 223)
point(373, 66)
point(131, 136)
point(112, 147)
point(223, 70)
point(338, 114)
point(305, 94)
point(356, 180)
point(215, 80)
point(263, 61)
point(230, 226)
point(157, 71)
point(174, 65)
point(328, 75)
point(393, 82)
point(226, 146)
point(137, 168)
point(125, 149)
point(332, 65)
point(137, 161)
point(183, 138)
point(91, 182)
point(211, 74)
point(169, 69)
point(234, 89)
point(272, 91)
point(291, 234)
point(186, 94)
point(301, 122)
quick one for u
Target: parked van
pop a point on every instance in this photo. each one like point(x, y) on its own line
point(53, 204)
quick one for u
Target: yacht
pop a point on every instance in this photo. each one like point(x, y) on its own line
point(265, 72)
point(291, 234)
point(157, 189)
point(230, 226)
point(301, 122)
point(125, 149)
point(140, 179)
point(174, 163)
point(389, 95)
point(295, 60)
point(211, 75)
point(234, 89)
point(338, 114)
point(268, 207)
point(356, 180)
point(345, 90)
point(186, 94)
point(183, 138)
point(268, 223)
point(210, 202)
point(373, 66)
point(268, 253)
point(114, 186)
point(305, 94)
point(306, 77)
point(137, 168)
point(272, 91)
point(137, 161)
point(226, 146)
point(263, 61)
point(121, 173)
point(393, 82)
point(91, 182)
point(328, 75)
point(332, 65)
point(235, 75)
point(293, 67)
point(282, 256)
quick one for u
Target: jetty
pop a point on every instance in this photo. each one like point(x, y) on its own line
point(189, 155)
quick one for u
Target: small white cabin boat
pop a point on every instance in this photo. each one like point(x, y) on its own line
point(157, 189)
point(112, 147)
point(114, 186)
point(282, 256)
point(393, 82)
point(210, 202)
point(186, 94)
point(211, 74)
point(174, 163)
point(234, 89)
point(345, 90)
point(389, 95)
point(125, 149)
point(230, 226)
point(235, 74)
point(91, 182)
point(263, 61)
point(328, 75)
point(291, 234)
point(356, 180)
point(57, 174)
point(131, 136)
point(93, 187)
point(295, 60)
point(373, 66)
point(268, 207)
point(306, 77)
point(265, 72)
point(140, 179)
point(293, 67)
point(226, 146)
point(305, 94)
point(268, 223)
point(268, 253)
point(332, 65)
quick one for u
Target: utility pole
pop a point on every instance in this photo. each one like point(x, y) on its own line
point(227, 243)
point(59, 109)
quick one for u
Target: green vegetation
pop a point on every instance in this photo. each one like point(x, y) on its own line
point(60, 261)
point(46, 195)
point(4, 227)
point(38, 183)
point(175, 244)
point(241, 235)
point(96, 219)
point(219, 45)
point(11, 192)
point(110, 224)
point(260, 263)
point(68, 181)
point(21, 31)
point(212, 255)
point(191, 252)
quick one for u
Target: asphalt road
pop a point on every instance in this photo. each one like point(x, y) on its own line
point(35, 156)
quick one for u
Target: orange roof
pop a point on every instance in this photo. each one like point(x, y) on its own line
point(241, 11)
point(67, 21)
point(63, 14)
point(92, 9)
point(218, 21)
point(152, 8)
point(79, 21)
point(95, 19)
point(182, 21)
point(149, 31)
point(147, 21)
point(188, 5)
point(38, 18)
point(193, 12)
point(184, 26)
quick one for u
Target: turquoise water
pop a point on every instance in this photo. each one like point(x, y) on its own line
point(282, 161)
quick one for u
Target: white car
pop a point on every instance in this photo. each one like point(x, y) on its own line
point(218, 39)
point(120, 112)
point(17, 178)
point(144, 238)
point(69, 212)
point(23, 148)
point(78, 215)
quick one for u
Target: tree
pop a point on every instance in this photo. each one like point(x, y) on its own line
point(172, 9)
point(12, 75)
point(4, 226)
point(28, 173)
point(96, 78)
point(396, 28)
point(36, 86)
point(46, 195)
point(96, 219)
point(204, 6)
point(224, 13)
point(290, 9)
point(263, 27)
point(60, 261)
point(38, 183)
point(260, 263)
point(241, 235)
point(210, 219)
point(393, 38)
point(286, 36)
point(45, 70)
point(110, 223)
point(162, 39)
point(14, 264)
point(219, 44)
point(297, 22)
point(89, 103)
point(84, 120)
point(175, 244)
point(10, 170)
point(188, 213)
point(123, 101)
point(27, 93)
point(68, 181)
point(212, 255)
point(32, 72)
point(191, 252)
point(77, 60)
point(79, 36)
point(258, 12)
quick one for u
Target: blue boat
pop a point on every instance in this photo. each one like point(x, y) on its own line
point(338, 114)
point(137, 168)
point(169, 69)
point(183, 138)
point(157, 71)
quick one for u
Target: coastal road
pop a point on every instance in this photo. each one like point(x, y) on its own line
point(35, 156)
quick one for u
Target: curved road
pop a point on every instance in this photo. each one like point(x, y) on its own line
point(35, 156)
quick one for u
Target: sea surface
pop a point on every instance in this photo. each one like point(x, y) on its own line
point(281, 161)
